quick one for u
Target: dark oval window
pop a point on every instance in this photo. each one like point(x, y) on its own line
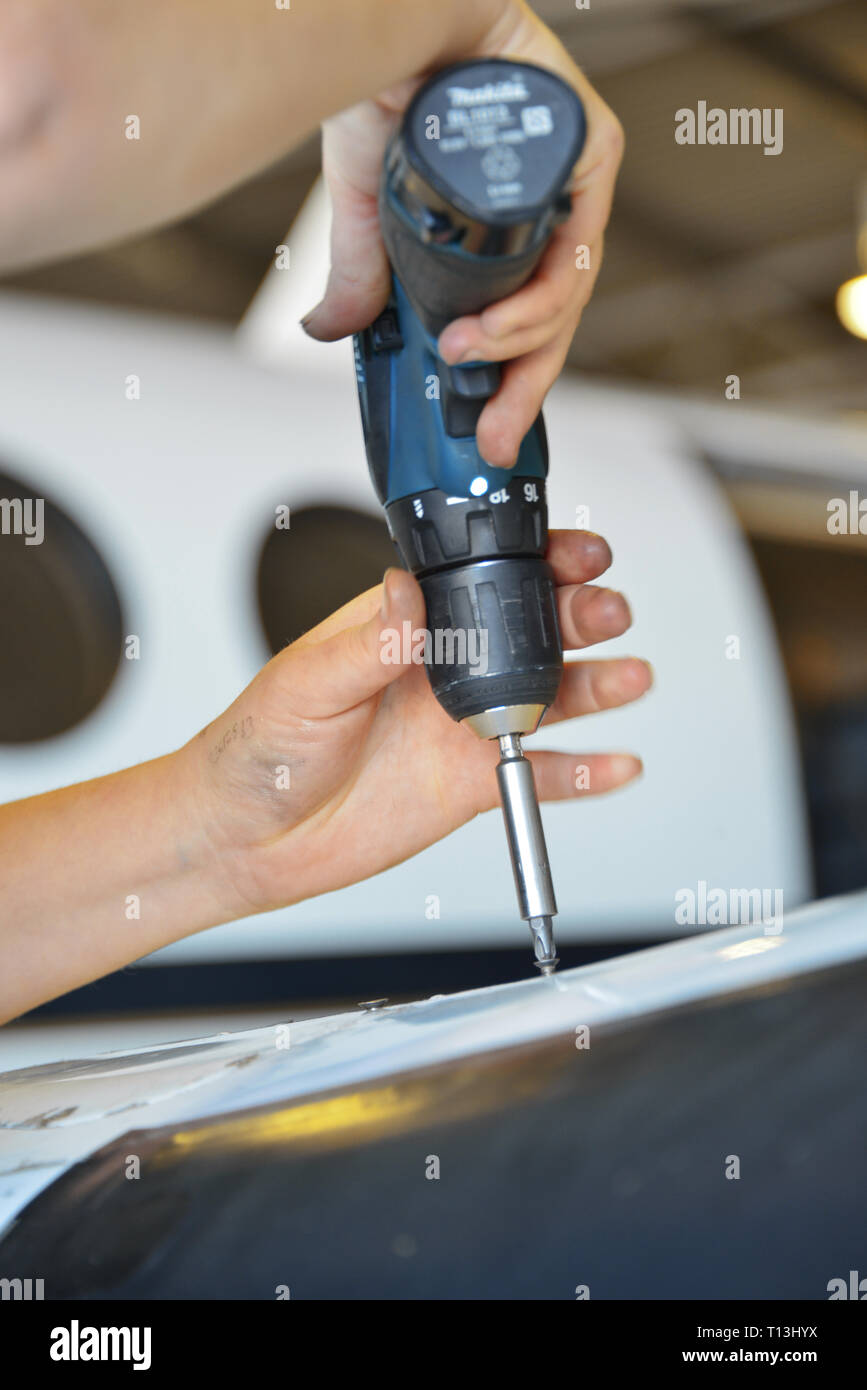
point(60, 618)
point(325, 557)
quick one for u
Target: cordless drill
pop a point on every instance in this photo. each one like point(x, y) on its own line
point(473, 184)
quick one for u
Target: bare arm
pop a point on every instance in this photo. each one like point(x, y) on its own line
point(221, 88)
point(99, 874)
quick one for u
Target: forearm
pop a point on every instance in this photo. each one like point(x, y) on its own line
point(97, 875)
point(220, 89)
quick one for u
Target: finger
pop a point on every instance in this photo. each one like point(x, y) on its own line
point(596, 171)
point(359, 279)
point(566, 275)
point(559, 776)
point(357, 610)
point(548, 304)
point(465, 341)
point(589, 614)
point(590, 686)
point(509, 414)
point(562, 776)
point(576, 556)
point(595, 175)
point(592, 192)
point(328, 677)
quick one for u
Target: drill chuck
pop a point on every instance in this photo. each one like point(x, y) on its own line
point(480, 563)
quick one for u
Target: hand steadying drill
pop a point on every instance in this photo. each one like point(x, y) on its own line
point(377, 772)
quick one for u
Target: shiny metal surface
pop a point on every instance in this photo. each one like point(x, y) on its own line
point(505, 719)
point(543, 944)
point(53, 1116)
point(527, 849)
point(527, 1169)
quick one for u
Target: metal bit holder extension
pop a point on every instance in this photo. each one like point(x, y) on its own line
point(527, 848)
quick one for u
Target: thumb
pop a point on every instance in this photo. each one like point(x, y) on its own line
point(359, 281)
point(326, 678)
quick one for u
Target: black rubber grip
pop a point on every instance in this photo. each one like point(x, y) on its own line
point(443, 283)
point(494, 638)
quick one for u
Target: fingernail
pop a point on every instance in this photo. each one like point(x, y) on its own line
point(634, 671)
point(493, 463)
point(493, 326)
point(624, 766)
point(448, 355)
point(597, 551)
point(444, 351)
point(610, 602)
point(309, 317)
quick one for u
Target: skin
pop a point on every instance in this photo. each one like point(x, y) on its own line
point(102, 873)
point(377, 771)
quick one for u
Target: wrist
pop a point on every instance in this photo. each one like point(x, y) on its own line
point(210, 846)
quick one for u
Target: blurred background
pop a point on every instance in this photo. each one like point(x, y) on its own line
point(720, 263)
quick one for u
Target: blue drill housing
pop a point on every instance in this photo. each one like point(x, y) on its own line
point(409, 450)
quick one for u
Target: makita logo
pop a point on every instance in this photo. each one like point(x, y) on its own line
point(492, 91)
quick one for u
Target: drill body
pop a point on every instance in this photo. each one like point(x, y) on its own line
point(472, 187)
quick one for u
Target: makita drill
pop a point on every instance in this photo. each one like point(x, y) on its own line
point(473, 185)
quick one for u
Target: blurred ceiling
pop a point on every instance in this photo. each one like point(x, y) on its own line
point(719, 259)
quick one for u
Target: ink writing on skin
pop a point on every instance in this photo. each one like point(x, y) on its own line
point(243, 728)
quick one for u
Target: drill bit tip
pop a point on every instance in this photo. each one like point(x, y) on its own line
point(547, 959)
